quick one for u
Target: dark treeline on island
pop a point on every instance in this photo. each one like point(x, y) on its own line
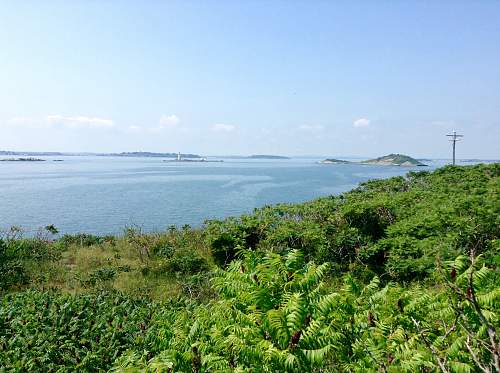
point(150, 154)
point(397, 275)
point(22, 160)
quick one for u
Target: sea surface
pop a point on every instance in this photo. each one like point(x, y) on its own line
point(104, 195)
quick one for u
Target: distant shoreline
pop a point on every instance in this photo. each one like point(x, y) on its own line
point(134, 154)
point(122, 154)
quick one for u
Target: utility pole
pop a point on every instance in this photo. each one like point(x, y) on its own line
point(454, 139)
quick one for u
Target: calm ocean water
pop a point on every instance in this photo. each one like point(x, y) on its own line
point(103, 195)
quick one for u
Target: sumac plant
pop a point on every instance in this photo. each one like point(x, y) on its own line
point(275, 313)
point(43, 331)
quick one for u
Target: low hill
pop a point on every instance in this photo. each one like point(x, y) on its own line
point(395, 160)
point(386, 160)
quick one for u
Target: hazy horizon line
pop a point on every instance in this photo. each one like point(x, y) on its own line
point(102, 153)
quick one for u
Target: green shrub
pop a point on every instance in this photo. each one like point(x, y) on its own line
point(12, 271)
point(187, 262)
point(82, 240)
point(32, 248)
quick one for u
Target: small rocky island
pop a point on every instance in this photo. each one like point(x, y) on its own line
point(22, 160)
point(387, 160)
point(335, 161)
point(181, 158)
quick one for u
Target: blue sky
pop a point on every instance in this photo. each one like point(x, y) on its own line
point(242, 77)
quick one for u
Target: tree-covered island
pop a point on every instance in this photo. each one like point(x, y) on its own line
point(387, 160)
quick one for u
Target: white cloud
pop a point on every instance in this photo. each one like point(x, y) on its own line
point(166, 123)
point(361, 123)
point(134, 128)
point(443, 123)
point(57, 120)
point(220, 127)
point(169, 121)
point(79, 121)
point(311, 128)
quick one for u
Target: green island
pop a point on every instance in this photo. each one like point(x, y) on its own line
point(335, 161)
point(387, 160)
point(397, 275)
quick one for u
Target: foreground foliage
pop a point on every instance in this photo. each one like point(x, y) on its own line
point(46, 331)
point(276, 314)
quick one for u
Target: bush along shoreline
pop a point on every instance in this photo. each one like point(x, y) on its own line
point(397, 275)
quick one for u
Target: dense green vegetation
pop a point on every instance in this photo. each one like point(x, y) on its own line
point(398, 275)
point(45, 331)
